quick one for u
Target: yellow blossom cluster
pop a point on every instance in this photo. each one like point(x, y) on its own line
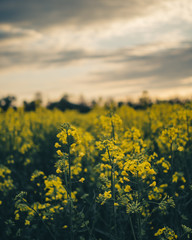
point(6, 182)
point(167, 232)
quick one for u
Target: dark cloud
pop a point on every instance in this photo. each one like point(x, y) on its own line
point(46, 59)
point(76, 55)
point(6, 35)
point(15, 58)
point(164, 68)
point(77, 13)
point(12, 35)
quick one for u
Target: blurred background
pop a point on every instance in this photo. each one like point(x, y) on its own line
point(88, 50)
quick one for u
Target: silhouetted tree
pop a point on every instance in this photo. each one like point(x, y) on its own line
point(34, 104)
point(63, 104)
point(29, 106)
point(38, 99)
point(144, 100)
point(7, 102)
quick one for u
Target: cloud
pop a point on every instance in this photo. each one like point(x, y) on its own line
point(163, 68)
point(13, 36)
point(15, 59)
point(112, 44)
point(162, 64)
point(10, 35)
point(37, 14)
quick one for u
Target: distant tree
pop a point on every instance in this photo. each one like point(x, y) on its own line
point(29, 106)
point(34, 104)
point(63, 104)
point(7, 102)
point(121, 103)
point(66, 97)
point(93, 103)
point(38, 99)
point(145, 100)
point(82, 100)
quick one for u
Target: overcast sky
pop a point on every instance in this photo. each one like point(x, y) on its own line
point(107, 48)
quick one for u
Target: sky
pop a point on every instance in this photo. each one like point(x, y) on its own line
point(95, 48)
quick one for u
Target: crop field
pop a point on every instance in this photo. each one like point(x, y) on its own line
point(111, 174)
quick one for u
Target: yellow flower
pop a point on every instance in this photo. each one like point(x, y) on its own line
point(82, 180)
point(58, 170)
point(180, 149)
point(60, 153)
point(124, 173)
point(117, 186)
point(121, 180)
point(17, 216)
point(52, 210)
point(153, 184)
point(151, 171)
point(159, 232)
point(127, 188)
point(107, 194)
point(183, 179)
point(57, 145)
point(65, 226)
point(102, 175)
point(126, 179)
point(175, 177)
point(27, 222)
point(165, 165)
point(81, 154)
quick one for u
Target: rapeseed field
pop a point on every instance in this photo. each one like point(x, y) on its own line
point(116, 173)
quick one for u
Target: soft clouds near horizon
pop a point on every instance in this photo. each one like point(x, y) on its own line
point(95, 48)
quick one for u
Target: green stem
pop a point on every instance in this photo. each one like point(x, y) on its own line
point(46, 226)
point(139, 185)
point(113, 193)
point(70, 203)
point(132, 229)
point(172, 156)
point(69, 189)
